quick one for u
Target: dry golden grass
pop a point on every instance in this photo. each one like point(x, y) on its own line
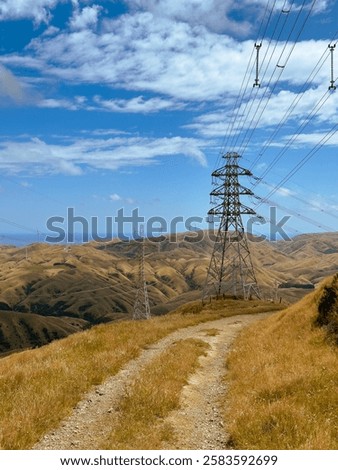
point(154, 394)
point(38, 388)
point(283, 378)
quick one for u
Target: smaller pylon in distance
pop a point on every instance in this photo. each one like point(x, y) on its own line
point(141, 305)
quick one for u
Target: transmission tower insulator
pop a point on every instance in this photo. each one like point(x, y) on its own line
point(256, 82)
point(332, 81)
point(231, 270)
point(141, 305)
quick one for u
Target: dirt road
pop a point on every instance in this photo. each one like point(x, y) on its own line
point(198, 423)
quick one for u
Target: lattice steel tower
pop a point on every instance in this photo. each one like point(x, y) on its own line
point(141, 305)
point(231, 271)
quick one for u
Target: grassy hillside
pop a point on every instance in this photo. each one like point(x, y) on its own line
point(27, 330)
point(283, 377)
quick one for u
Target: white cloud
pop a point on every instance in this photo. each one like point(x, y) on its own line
point(163, 48)
point(285, 192)
point(322, 5)
point(147, 53)
point(130, 200)
point(51, 31)
point(138, 53)
point(38, 10)
point(315, 137)
point(136, 105)
point(214, 14)
point(104, 132)
point(25, 184)
point(265, 113)
point(22, 61)
point(226, 16)
point(53, 103)
point(97, 103)
point(37, 157)
point(261, 166)
point(86, 18)
point(115, 197)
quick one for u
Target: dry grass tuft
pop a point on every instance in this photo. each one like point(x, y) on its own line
point(154, 394)
point(283, 378)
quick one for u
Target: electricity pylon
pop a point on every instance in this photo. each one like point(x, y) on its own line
point(231, 271)
point(141, 305)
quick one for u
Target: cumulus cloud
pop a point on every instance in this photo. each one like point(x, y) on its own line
point(37, 10)
point(222, 16)
point(148, 54)
point(86, 18)
point(168, 50)
point(35, 156)
point(216, 15)
point(269, 112)
point(213, 14)
point(135, 52)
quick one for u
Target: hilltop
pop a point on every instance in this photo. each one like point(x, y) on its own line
point(50, 291)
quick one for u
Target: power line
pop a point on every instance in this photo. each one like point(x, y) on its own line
point(293, 105)
point(32, 190)
point(252, 101)
point(295, 213)
point(245, 141)
point(295, 102)
point(16, 225)
point(304, 160)
point(293, 138)
point(246, 79)
point(297, 198)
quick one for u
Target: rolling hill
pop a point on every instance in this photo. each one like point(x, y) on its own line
point(61, 289)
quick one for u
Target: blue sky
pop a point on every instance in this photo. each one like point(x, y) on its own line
point(109, 104)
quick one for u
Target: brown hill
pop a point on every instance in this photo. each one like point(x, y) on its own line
point(26, 330)
point(96, 282)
